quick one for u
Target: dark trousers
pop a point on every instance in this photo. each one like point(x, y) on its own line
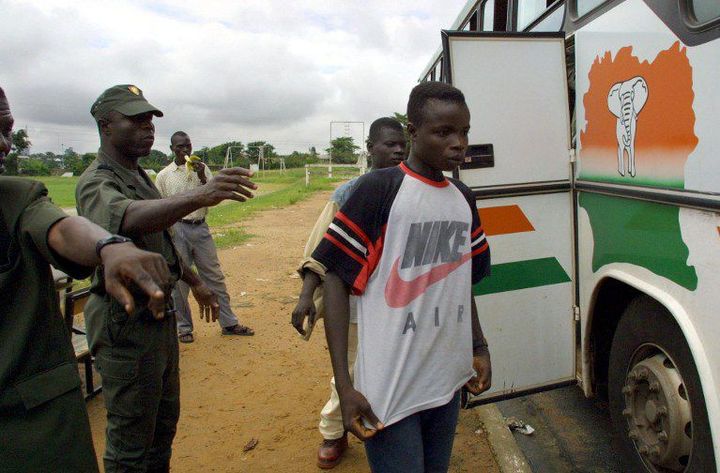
point(138, 360)
point(420, 443)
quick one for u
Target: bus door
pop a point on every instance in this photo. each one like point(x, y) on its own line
point(518, 165)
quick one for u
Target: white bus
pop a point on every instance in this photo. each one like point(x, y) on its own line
point(595, 160)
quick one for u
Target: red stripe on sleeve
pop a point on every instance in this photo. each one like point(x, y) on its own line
point(344, 248)
point(358, 231)
point(477, 231)
point(482, 249)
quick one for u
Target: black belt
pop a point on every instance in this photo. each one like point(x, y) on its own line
point(193, 222)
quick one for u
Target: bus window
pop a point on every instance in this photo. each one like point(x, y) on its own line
point(586, 6)
point(474, 21)
point(704, 10)
point(488, 15)
point(527, 11)
point(551, 22)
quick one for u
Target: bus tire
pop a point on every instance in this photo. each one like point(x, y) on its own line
point(655, 396)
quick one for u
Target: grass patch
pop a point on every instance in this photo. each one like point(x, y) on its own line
point(60, 189)
point(230, 236)
point(293, 193)
point(283, 189)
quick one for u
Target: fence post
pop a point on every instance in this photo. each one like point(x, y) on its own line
point(307, 175)
point(329, 171)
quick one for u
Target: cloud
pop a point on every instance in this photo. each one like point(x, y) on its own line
point(279, 71)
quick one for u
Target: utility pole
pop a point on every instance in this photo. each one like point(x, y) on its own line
point(346, 124)
point(228, 156)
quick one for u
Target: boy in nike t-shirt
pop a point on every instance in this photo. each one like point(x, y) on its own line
point(410, 244)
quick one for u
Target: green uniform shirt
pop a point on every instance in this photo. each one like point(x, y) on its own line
point(103, 194)
point(43, 423)
point(33, 336)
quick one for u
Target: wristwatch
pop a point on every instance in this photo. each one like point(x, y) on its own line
point(111, 240)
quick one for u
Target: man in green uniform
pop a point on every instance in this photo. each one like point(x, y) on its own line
point(138, 357)
point(43, 422)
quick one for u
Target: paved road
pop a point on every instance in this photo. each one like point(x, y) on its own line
point(572, 433)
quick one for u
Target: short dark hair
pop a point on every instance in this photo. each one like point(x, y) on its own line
point(380, 123)
point(425, 91)
point(177, 133)
point(2, 94)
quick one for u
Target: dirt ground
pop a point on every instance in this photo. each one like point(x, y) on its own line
point(269, 387)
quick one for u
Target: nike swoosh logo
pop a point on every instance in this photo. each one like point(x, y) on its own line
point(399, 293)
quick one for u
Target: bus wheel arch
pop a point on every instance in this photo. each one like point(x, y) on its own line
point(655, 395)
point(610, 299)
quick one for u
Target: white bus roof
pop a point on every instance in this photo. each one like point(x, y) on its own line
point(462, 16)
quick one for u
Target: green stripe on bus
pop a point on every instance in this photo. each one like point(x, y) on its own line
point(522, 275)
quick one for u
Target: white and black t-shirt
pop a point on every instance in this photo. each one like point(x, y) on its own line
point(411, 248)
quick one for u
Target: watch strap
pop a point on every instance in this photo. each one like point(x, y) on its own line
point(111, 240)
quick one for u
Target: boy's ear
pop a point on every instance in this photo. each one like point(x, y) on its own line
point(412, 130)
point(369, 146)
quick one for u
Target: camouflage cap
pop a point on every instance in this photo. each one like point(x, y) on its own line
point(126, 99)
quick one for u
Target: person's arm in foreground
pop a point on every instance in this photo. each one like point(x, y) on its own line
point(311, 270)
point(74, 239)
point(481, 356)
point(150, 216)
point(306, 306)
point(206, 299)
point(353, 404)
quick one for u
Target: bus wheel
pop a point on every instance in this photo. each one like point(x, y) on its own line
point(656, 400)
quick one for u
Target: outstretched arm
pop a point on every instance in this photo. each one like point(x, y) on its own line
point(74, 239)
point(150, 216)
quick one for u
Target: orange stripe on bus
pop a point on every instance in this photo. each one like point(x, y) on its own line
point(504, 219)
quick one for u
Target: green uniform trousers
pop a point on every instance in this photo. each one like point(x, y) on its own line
point(138, 360)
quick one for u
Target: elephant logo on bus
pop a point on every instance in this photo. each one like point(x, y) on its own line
point(625, 101)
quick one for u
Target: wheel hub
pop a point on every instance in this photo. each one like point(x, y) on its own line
point(658, 414)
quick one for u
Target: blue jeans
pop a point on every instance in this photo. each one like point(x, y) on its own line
point(420, 443)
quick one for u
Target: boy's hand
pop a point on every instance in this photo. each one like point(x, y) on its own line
point(304, 308)
point(483, 380)
point(355, 408)
point(207, 300)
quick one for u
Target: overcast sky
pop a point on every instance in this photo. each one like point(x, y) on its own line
point(221, 70)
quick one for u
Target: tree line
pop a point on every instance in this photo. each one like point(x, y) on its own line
point(342, 150)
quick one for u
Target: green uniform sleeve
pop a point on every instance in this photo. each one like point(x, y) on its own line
point(101, 201)
point(35, 222)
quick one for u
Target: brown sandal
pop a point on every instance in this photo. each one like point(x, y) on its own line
point(186, 338)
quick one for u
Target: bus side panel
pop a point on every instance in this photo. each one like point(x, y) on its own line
point(648, 109)
point(671, 254)
point(647, 105)
point(525, 306)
